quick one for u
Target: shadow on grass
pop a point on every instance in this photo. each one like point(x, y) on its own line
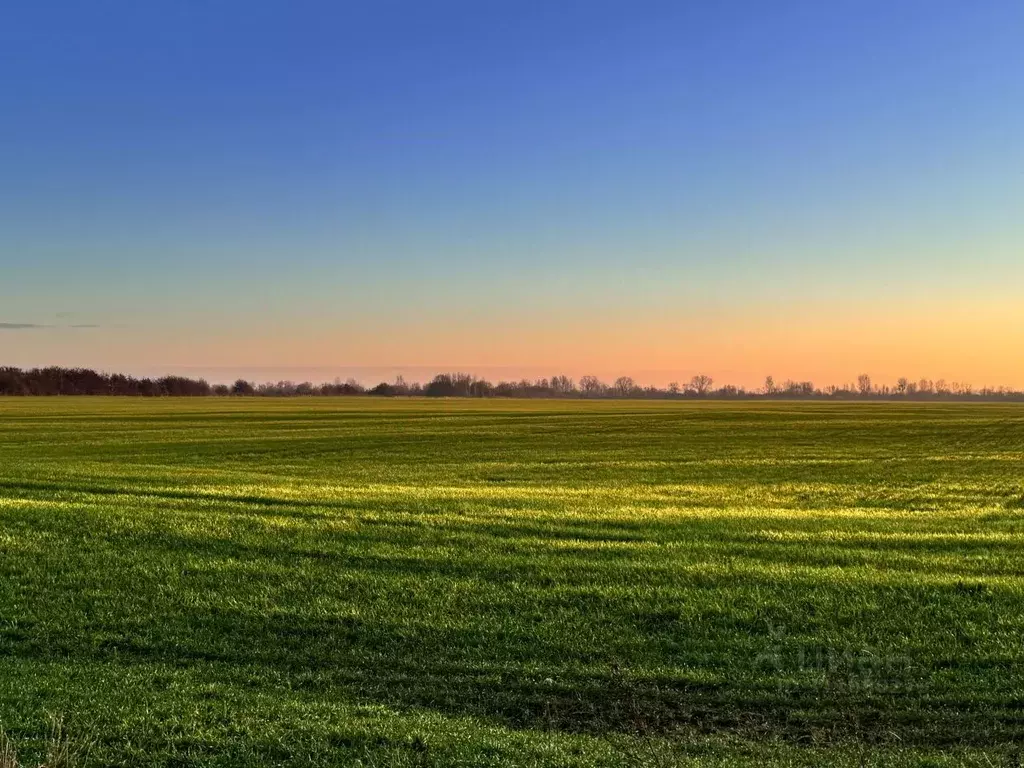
point(531, 672)
point(521, 679)
point(474, 673)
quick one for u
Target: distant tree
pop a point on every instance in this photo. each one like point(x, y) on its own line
point(400, 387)
point(799, 388)
point(624, 386)
point(562, 385)
point(55, 380)
point(480, 388)
point(12, 382)
point(442, 385)
point(451, 385)
point(591, 386)
point(283, 388)
point(701, 384)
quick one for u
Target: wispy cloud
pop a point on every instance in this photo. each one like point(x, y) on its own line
point(33, 326)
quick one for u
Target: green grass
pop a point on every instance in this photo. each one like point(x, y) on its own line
point(364, 582)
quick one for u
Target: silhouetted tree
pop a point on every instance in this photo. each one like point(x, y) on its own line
point(701, 384)
point(54, 380)
point(562, 385)
point(591, 386)
point(453, 385)
point(624, 386)
point(242, 387)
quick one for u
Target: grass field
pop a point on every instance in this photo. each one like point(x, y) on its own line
point(365, 582)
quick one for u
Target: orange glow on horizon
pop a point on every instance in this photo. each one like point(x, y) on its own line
point(977, 342)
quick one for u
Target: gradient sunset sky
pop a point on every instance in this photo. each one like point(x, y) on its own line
point(310, 189)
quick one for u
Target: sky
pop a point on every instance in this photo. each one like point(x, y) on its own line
point(303, 190)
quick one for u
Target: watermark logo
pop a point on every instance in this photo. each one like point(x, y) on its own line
point(792, 662)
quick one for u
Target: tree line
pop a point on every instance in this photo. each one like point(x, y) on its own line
point(55, 380)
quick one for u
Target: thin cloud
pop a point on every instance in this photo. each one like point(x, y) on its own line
point(33, 326)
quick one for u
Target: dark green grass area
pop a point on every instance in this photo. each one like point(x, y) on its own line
point(369, 582)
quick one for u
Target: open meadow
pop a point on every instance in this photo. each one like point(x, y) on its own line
point(361, 581)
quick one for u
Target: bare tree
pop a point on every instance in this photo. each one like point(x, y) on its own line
point(624, 386)
point(562, 385)
point(701, 383)
point(56, 380)
point(591, 385)
point(799, 388)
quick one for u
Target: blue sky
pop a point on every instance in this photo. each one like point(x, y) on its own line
point(577, 186)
